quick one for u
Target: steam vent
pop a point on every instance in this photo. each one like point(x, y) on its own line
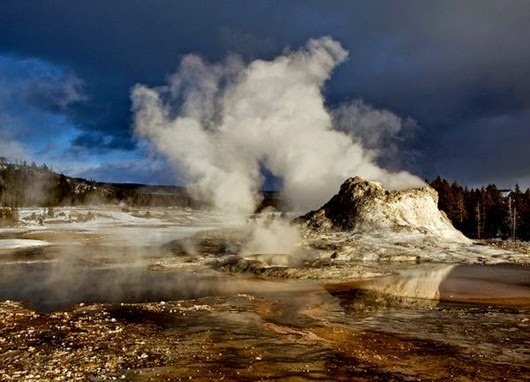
point(364, 207)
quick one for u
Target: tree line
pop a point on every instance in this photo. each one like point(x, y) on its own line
point(25, 185)
point(486, 212)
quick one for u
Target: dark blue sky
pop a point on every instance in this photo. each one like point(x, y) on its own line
point(460, 69)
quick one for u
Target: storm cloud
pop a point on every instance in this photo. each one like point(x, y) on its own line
point(458, 69)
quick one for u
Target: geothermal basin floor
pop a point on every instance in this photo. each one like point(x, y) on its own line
point(83, 303)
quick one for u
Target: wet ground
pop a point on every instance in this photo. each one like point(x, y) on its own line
point(98, 312)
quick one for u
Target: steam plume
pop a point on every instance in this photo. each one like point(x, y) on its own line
point(219, 123)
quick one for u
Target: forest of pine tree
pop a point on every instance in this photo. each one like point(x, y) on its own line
point(487, 212)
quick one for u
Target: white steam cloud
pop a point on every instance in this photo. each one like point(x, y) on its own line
point(378, 130)
point(219, 123)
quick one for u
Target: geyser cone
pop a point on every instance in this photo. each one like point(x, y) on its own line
point(364, 207)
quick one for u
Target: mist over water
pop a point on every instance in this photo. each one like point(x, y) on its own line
point(219, 123)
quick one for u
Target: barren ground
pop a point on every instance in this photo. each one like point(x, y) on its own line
point(115, 298)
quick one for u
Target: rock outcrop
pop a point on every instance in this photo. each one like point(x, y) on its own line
point(364, 207)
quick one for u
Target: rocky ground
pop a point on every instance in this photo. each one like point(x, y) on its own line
point(236, 338)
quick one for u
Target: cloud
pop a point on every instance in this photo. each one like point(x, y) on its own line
point(10, 148)
point(98, 142)
point(446, 64)
point(130, 170)
point(35, 96)
point(379, 131)
point(38, 83)
point(36, 124)
point(244, 43)
point(496, 150)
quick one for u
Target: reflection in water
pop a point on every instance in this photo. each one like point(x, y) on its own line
point(104, 274)
point(421, 282)
point(482, 310)
point(410, 287)
point(500, 284)
point(44, 289)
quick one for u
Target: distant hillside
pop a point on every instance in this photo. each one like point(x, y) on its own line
point(31, 185)
point(24, 185)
